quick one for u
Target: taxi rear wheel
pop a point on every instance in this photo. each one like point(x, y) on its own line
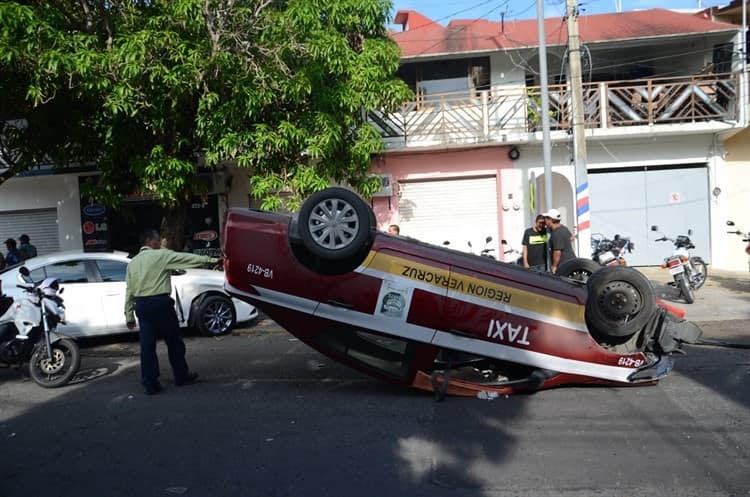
point(620, 302)
point(335, 224)
point(578, 269)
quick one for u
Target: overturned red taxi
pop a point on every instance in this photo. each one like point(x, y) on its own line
point(441, 320)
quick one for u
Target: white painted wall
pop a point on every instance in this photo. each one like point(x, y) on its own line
point(731, 175)
point(45, 192)
point(733, 203)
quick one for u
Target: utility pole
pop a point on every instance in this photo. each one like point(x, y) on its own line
point(543, 82)
point(575, 85)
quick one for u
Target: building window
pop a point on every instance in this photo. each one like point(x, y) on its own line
point(430, 80)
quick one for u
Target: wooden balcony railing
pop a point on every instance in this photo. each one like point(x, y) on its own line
point(493, 114)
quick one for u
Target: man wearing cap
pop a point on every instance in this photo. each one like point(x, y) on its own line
point(560, 240)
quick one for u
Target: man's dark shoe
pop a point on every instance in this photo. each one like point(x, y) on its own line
point(153, 389)
point(187, 379)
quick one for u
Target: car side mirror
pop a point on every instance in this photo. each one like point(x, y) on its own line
point(654, 228)
point(730, 223)
point(503, 242)
point(488, 239)
point(24, 276)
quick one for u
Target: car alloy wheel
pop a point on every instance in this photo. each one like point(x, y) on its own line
point(216, 316)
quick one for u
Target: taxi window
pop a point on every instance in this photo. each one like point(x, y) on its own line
point(389, 355)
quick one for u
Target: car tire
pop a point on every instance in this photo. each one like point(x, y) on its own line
point(335, 224)
point(215, 316)
point(620, 302)
point(578, 269)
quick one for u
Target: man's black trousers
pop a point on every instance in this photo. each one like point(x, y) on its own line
point(157, 319)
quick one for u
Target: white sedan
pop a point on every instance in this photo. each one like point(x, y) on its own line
point(94, 293)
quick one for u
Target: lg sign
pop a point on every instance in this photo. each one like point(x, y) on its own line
point(90, 227)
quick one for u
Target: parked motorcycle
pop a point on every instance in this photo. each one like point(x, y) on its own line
point(485, 252)
point(689, 272)
point(612, 252)
point(28, 332)
point(604, 252)
point(745, 238)
point(516, 255)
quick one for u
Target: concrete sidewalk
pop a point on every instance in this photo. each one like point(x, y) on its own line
point(725, 296)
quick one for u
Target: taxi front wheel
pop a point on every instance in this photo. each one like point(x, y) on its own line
point(620, 301)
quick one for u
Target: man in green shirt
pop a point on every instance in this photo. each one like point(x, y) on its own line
point(147, 296)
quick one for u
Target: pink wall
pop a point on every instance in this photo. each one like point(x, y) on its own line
point(443, 164)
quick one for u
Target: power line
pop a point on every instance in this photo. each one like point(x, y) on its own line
point(454, 14)
point(465, 27)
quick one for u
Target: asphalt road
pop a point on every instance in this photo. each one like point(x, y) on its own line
point(271, 417)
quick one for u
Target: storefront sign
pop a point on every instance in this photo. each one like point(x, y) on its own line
point(95, 234)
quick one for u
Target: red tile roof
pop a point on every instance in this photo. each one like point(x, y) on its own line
point(425, 37)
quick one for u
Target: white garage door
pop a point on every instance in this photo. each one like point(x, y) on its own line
point(630, 202)
point(40, 225)
point(455, 210)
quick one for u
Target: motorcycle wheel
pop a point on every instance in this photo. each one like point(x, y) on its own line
point(700, 272)
point(684, 286)
point(57, 371)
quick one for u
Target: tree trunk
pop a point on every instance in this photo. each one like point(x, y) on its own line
point(173, 227)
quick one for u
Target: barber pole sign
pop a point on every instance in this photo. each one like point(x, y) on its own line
point(583, 220)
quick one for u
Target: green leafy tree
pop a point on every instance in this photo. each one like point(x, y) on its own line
point(151, 90)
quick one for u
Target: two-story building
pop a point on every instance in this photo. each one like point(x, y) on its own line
point(664, 98)
point(666, 108)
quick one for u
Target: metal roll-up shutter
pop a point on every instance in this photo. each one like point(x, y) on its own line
point(629, 202)
point(455, 210)
point(40, 225)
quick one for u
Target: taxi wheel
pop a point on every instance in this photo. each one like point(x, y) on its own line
point(578, 269)
point(620, 302)
point(335, 224)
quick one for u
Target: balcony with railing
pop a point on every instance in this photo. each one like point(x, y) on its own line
point(513, 113)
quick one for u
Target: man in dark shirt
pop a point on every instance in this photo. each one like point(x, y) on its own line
point(535, 245)
point(26, 249)
point(13, 256)
point(560, 240)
